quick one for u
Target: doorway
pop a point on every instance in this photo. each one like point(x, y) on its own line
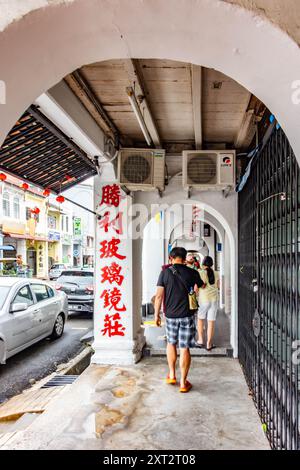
point(31, 260)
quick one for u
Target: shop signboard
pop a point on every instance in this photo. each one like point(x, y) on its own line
point(77, 226)
point(53, 236)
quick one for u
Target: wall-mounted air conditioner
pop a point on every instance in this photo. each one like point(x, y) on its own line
point(208, 169)
point(141, 169)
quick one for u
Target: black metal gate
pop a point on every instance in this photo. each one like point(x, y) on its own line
point(269, 289)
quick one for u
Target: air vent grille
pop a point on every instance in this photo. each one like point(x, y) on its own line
point(202, 169)
point(137, 169)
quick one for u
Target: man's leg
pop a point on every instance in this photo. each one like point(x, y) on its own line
point(172, 358)
point(185, 362)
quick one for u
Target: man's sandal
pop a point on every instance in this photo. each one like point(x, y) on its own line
point(187, 387)
point(171, 381)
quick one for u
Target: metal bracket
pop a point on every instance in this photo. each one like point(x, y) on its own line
point(226, 192)
point(160, 192)
point(126, 190)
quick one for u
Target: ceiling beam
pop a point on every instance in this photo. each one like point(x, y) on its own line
point(197, 104)
point(82, 90)
point(246, 131)
point(136, 82)
point(253, 114)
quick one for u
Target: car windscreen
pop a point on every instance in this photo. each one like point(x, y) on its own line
point(75, 279)
point(3, 294)
point(77, 273)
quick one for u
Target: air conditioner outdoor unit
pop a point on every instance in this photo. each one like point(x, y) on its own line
point(141, 169)
point(208, 169)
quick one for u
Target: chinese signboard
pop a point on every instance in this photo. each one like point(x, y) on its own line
point(52, 221)
point(53, 236)
point(77, 225)
point(112, 261)
point(113, 275)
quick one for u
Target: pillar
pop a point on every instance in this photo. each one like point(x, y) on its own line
point(118, 336)
point(21, 249)
point(227, 275)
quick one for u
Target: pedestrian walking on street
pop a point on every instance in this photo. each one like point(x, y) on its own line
point(178, 286)
point(208, 303)
point(190, 261)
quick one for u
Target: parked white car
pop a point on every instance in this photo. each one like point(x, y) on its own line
point(56, 270)
point(30, 310)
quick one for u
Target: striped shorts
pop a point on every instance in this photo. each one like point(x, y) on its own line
point(181, 331)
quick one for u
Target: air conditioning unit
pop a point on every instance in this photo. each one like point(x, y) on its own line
point(141, 169)
point(208, 169)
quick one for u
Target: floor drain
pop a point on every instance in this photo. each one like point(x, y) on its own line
point(60, 381)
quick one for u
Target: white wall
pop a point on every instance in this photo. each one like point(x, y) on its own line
point(153, 257)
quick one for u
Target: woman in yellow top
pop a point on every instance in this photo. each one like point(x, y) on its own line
point(208, 303)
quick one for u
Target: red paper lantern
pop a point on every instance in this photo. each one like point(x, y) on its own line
point(2, 177)
point(25, 186)
point(46, 192)
point(36, 210)
point(60, 199)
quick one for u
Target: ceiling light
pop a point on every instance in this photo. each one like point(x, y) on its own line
point(138, 114)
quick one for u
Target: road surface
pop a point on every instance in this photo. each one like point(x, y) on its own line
point(42, 358)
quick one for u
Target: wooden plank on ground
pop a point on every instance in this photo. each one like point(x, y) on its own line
point(31, 401)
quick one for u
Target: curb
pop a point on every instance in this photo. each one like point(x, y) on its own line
point(78, 364)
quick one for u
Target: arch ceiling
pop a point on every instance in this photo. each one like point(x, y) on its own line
point(247, 46)
point(287, 18)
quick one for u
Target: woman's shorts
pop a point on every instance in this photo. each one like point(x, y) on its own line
point(208, 310)
point(181, 331)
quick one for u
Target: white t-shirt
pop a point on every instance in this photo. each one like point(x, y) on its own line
point(211, 292)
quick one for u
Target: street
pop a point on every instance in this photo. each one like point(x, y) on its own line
point(42, 358)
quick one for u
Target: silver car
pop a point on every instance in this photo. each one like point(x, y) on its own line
point(30, 310)
point(55, 271)
point(78, 284)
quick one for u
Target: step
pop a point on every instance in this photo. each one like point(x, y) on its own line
point(195, 352)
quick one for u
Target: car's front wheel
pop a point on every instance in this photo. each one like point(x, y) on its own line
point(59, 326)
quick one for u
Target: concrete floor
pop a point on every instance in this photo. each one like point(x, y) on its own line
point(133, 408)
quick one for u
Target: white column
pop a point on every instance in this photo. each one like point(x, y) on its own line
point(227, 276)
point(118, 336)
point(21, 249)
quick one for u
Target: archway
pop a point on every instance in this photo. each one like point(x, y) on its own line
point(156, 245)
point(218, 219)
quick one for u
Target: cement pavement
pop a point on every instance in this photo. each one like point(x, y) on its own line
point(132, 408)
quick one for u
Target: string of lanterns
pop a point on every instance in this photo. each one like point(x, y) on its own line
point(46, 192)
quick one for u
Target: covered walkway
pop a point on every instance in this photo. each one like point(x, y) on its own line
point(132, 408)
point(167, 114)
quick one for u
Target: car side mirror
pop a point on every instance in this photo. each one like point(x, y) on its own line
point(18, 307)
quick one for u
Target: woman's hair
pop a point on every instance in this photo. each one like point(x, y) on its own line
point(208, 263)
